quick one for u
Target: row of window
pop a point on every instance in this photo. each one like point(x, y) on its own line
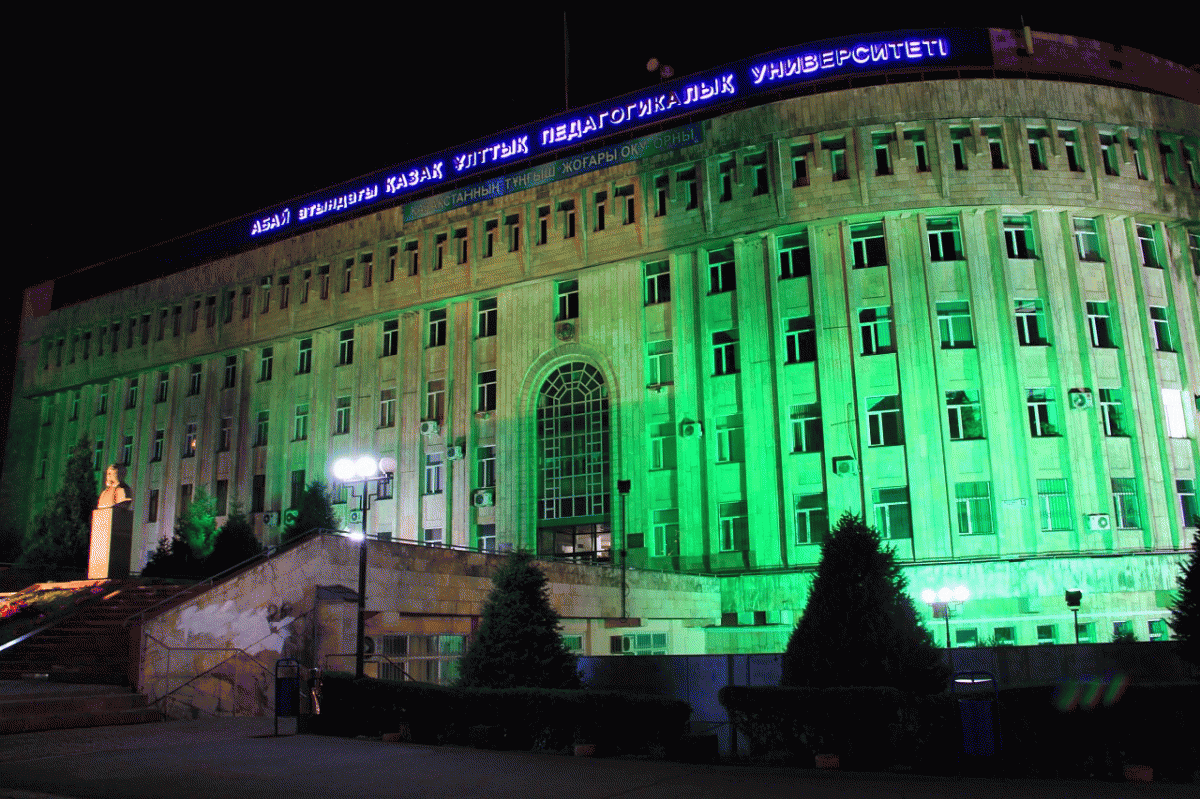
point(1085, 633)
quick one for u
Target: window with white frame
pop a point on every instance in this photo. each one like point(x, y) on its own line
point(664, 532)
point(567, 209)
point(658, 282)
point(131, 393)
point(756, 170)
point(1110, 154)
point(1148, 245)
point(876, 330)
point(433, 473)
point(958, 146)
point(102, 393)
point(733, 526)
point(1099, 319)
point(945, 239)
point(721, 274)
point(800, 339)
point(156, 446)
point(486, 391)
point(160, 392)
point(127, 450)
point(490, 231)
point(485, 457)
point(346, 347)
point(868, 245)
point(730, 443)
point(884, 421)
point(435, 400)
point(973, 502)
point(1037, 147)
point(724, 349)
point(685, 182)
point(1070, 140)
point(412, 256)
point(300, 423)
point(439, 258)
point(230, 371)
point(661, 194)
point(838, 166)
point(1032, 329)
point(225, 434)
point(433, 536)
point(1162, 329)
point(1018, 237)
point(954, 325)
point(1125, 503)
point(600, 205)
point(387, 407)
point(366, 265)
point(662, 446)
point(1112, 412)
point(1054, 505)
point(486, 318)
point(266, 364)
point(262, 428)
point(880, 144)
point(812, 518)
point(437, 327)
point(807, 433)
point(626, 203)
point(304, 356)
point(995, 140)
point(512, 227)
point(1043, 412)
point(190, 440)
point(341, 416)
point(485, 537)
point(1188, 509)
point(567, 292)
point(799, 154)
point(1173, 415)
point(659, 363)
point(893, 517)
point(543, 224)
point(964, 415)
point(1087, 240)
point(1135, 155)
point(1193, 243)
point(391, 337)
point(393, 260)
point(462, 245)
point(920, 148)
point(794, 257)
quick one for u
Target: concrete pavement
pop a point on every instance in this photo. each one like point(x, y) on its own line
point(239, 757)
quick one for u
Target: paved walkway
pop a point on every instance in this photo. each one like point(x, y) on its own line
point(240, 757)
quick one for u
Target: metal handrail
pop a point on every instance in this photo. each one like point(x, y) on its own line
point(373, 658)
point(233, 653)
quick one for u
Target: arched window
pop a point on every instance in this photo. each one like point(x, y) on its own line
point(573, 458)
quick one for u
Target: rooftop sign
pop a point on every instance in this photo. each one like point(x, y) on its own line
point(782, 71)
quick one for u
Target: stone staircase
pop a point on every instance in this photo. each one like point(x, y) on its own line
point(32, 705)
point(92, 645)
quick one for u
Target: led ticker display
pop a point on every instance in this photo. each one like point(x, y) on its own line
point(707, 91)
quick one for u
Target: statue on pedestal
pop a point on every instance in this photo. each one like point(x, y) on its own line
point(112, 527)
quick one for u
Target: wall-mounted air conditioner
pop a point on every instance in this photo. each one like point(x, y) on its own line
point(691, 430)
point(564, 331)
point(270, 518)
point(844, 465)
point(1099, 521)
point(429, 428)
point(485, 498)
point(1080, 398)
point(454, 453)
point(356, 516)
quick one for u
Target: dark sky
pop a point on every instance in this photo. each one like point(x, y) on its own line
point(128, 136)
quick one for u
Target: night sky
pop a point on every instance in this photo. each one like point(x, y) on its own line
point(126, 137)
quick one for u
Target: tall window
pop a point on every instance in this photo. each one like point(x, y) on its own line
point(658, 282)
point(266, 361)
point(341, 416)
point(164, 385)
point(433, 473)
point(412, 256)
point(1188, 509)
point(733, 526)
point(730, 439)
point(437, 327)
point(131, 396)
point(973, 501)
point(1109, 154)
point(486, 318)
point(323, 280)
point(152, 506)
point(1037, 147)
point(868, 244)
point(875, 327)
point(756, 167)
point(285, 291)
point(156, 447)
point(567, 209)
point(920, 148)
point(1111, 412)
point(304, 356)
point(724, 348)
point(391, 337)
point(461, 244)
point(1148, 245)
point(194, 379)
point(954, 325)
point(1070, 140)
point(439, 258)
point(945, 239)
point(659, 363)
point(800, 339)
point(102, 400)
point(958, 146)
point(387, 407)
point(486, 391)
point(838, 167)
point(346, 347)
point(812, 518)
point(1162, 329)
point(435, 400)
point(225, 434)
point(230, 371)
point(995, 140)
point(512, 231)
point(300, 423)
point(486, 458)
point(893, 517)
point(664, 532)
point(573, 443)
point(127, 450)
point(543, 224)
point(880, 142)
point(807, 435)
point(600, 206)
point(725, 170)
point(662, 446)
point(1126, 515)
point(884, 421)
point(261, 428)
point(347, 274)
point(1099, 321)
point(794, 258)
point(1087, 240)
point(1032, 330)
point(567, 292)
point(800, 155)
point(965, 418)
point(1018, 237)
point(1043, 412)
point(490, 229)
point(685, 182)
point(721, 274)
point(190, 441)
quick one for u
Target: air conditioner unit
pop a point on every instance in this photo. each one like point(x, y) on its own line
point(564, 331)
point(1099, 521)
point(454, 453)
point(270, 518)
point(691, 430)
point(845, 465)
point(1080, 398)
point(429, 428)
point(356, 516)
point(483, 416)
point(291, 515)
point(485, 498)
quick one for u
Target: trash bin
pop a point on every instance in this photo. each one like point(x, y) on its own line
point(287, 690)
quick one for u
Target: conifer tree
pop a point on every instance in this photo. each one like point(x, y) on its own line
point(518, 642)
point(61, 531)
point(314, 512)
point(859, 626)
point(1185, 616)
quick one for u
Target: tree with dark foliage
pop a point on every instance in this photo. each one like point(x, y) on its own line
point(859, 626)
point(518, 642)
point(315, 512)
point(1185, 616)
point(62, 530)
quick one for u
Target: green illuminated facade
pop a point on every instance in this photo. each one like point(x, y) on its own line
point(965, 308)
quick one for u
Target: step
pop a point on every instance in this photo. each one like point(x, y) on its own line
point(77, 719)
point(109, 701)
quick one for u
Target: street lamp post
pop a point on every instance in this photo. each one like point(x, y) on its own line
point(943, 602)
point(1074, 600)
point(373, 476)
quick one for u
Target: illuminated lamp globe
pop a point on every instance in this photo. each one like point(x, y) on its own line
point(365, 466)
point(357, 535)
point(387, 465)
point(929, 596)
point(343, 469)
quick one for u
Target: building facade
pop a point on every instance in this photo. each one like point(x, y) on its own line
point(959, 300)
